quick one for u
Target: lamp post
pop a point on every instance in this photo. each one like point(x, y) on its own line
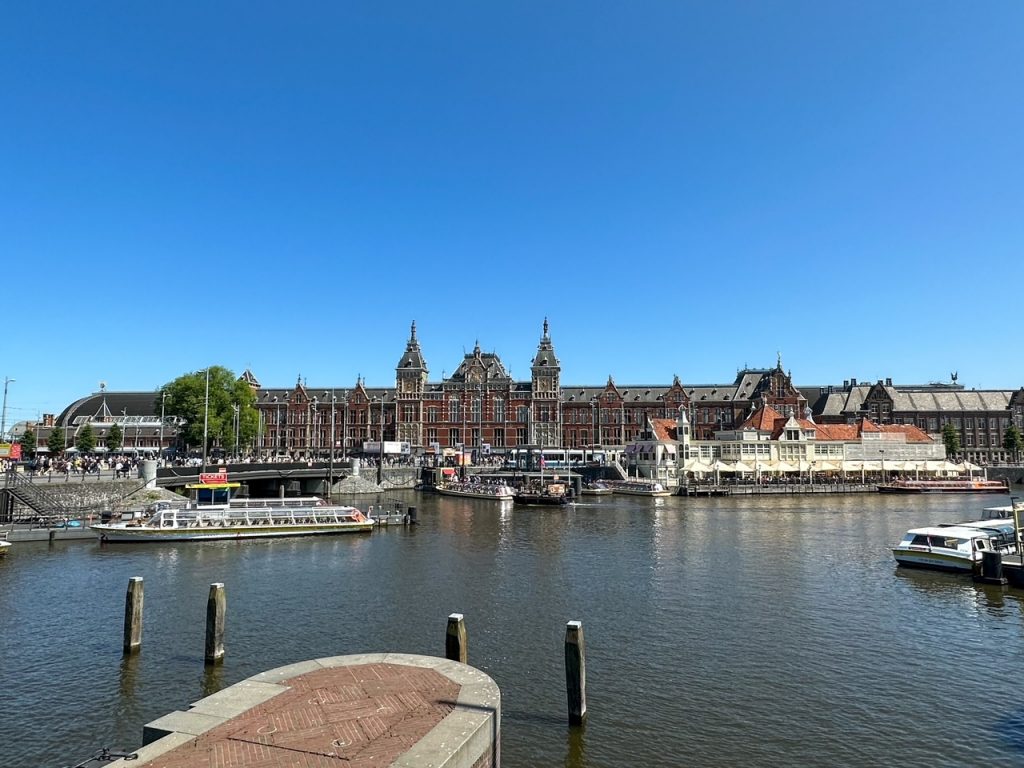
point(277, 426)
point(330, 471)
point(163, 408)
point(3, 415)
point(312, 427)
point(206, 417)
point(344, 424)
point(238, 424)
point(462, 435)
point(380, 462)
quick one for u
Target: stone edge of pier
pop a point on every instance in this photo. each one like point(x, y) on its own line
point(469, 736)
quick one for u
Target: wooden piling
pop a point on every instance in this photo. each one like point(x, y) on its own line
point(133, 615)
point(455, 639)
point(216, 605)
point(414, 516)
point(576, 672)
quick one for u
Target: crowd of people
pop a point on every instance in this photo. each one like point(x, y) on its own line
point(121, 465)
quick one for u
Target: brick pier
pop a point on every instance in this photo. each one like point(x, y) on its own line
point(365, 711)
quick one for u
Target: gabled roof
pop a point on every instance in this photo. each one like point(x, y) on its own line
point(664, 429)
point(763, 419)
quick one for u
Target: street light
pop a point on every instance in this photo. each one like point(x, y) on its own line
point(277, 426)
point(380, 463)
point(206, 416)
point(344, 424)
point(3, 417)
point(462, 451)
point(330, 472)
point(238, 423)
point(163, 408)
point(312, 441)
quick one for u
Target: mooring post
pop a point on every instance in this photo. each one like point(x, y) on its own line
point(414, 516)
point(576, 672)
point(215, 607)
point(991, 568)
point(455, 639)
point(133, 615)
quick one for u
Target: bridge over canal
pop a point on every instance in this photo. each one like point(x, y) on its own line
point(294, 478)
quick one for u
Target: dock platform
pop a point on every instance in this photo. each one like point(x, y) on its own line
point(362, 711)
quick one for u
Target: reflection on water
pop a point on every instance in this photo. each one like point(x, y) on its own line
point(213, 679)
point(724, 632)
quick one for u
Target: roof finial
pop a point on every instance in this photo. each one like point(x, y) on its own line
point(413, 331)
point(779, 359)
point(545, 328)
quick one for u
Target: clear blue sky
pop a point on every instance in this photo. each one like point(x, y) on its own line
point(682, 188)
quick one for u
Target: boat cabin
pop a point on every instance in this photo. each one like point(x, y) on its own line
point(211, 494)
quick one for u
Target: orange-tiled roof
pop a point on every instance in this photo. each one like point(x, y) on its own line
point(664, 429)
point(764, 418)
point(913, 434)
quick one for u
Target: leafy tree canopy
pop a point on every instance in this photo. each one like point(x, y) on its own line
point(28, 442)
point(85, 441)
point(1013, 441)
point(115, 438)
point(951, 439)
point(186, 399)
point(56, 441)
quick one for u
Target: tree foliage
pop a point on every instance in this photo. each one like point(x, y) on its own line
point(186, 400)
point(1013, 441)
point(85, 440)
point(28, 442)
point(55, 442)
point(115, 438)
point(951, 439)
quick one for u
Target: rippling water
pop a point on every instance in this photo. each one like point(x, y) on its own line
point(731, 632)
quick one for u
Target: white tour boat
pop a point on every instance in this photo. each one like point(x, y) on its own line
point(597, 488)
point(957, 547)
point(167, 523)
point(497, 492)
point(4, 543)
point(639, 488)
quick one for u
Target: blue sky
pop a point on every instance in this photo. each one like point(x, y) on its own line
point(682, 188)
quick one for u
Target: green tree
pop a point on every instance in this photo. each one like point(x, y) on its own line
point(55, 442)
point(85, 441)
point(186, 399)
point(951, 439)
point(115, 438)
point(28, 442)
point(1013, 441)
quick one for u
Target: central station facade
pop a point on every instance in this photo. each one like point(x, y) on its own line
point(481, 408)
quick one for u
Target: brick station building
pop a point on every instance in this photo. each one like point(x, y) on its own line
point(480, 407)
